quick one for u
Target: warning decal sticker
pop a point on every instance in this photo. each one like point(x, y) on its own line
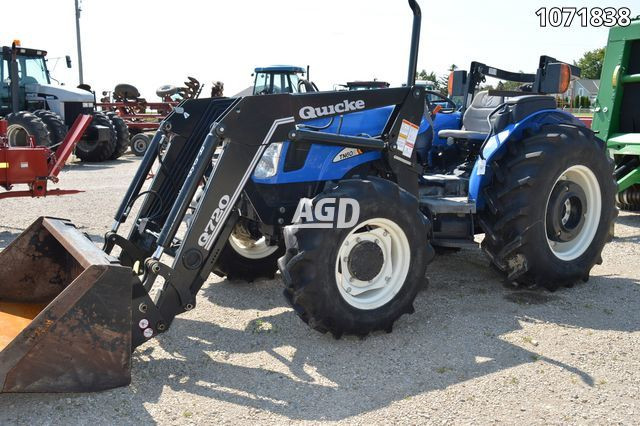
point(407, 138)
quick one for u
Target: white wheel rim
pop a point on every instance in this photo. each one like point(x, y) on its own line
point(586, 179)
point(17, 135)
point(251, 249)
point(380, 290)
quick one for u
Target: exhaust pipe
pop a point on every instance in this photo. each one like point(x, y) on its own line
point(415, 42)
point(65, 313)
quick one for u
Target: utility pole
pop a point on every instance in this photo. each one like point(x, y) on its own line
point(78, 10)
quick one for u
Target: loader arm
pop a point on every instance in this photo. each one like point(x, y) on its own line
point(243, 128)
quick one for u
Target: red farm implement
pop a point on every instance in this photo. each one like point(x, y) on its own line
point(35, 165)
point(143, 118)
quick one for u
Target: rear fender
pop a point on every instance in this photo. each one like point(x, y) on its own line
point(513, 133)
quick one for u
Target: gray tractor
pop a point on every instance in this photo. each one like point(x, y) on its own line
point(39, 110)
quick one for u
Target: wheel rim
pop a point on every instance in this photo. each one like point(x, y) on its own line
point(246, 246)
point(367, 289)
point(17, 135)
point(140, 145)
point(572, 214)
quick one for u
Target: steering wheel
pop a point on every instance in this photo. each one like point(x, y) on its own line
point(451, 105)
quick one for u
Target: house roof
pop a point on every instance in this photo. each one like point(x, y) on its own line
point(591, 86)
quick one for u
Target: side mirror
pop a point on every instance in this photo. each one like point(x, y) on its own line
point(457, 83)
point(68, 59)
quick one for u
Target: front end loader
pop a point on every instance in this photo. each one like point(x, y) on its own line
point(339, 185)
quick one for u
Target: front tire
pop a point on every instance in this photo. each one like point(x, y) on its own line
point(550, 207)
point(360, 279)
point(96, 151)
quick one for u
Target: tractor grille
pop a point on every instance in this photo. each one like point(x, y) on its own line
point(72, 110)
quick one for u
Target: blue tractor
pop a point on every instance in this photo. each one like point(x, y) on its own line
point(282, 79)
point(507, 164)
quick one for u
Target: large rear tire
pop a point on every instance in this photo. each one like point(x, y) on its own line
point(98, 150)
point(23, 124)
point(55, 125)
point(122, 135)
point(550, 207)
point(361, 279)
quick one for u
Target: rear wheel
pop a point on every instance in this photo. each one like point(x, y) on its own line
point(97, 150)
point(550, 208)
point(122, 135)
point(22, 125)
point(360, 279)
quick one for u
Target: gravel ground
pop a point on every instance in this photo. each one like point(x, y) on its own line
point(473, 352)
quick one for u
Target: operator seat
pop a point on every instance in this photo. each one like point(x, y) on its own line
point(474, 121)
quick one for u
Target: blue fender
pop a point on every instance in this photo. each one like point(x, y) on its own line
point(511, 134)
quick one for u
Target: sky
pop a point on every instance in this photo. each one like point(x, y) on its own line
point(149, 43)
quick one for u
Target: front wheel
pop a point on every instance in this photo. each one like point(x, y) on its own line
point(93, 149)
point(550, 207)
point(359, 279)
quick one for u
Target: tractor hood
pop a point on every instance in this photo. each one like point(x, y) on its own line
point(62, 93)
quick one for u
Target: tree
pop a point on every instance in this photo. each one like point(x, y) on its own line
point(432, 77)
point(428, 76)
point(590, 63)
point(508, 86)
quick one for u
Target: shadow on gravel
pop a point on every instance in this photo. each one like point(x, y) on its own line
point(463, 329)
point(457, 334)
point(629, 219)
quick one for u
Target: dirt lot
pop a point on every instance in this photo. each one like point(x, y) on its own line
point(473, 352)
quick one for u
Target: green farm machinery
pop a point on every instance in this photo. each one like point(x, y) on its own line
point(617, 113)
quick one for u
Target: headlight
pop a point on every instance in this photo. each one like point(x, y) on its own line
point(268, 165)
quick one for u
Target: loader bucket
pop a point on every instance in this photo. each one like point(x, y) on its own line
point(65, 313)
